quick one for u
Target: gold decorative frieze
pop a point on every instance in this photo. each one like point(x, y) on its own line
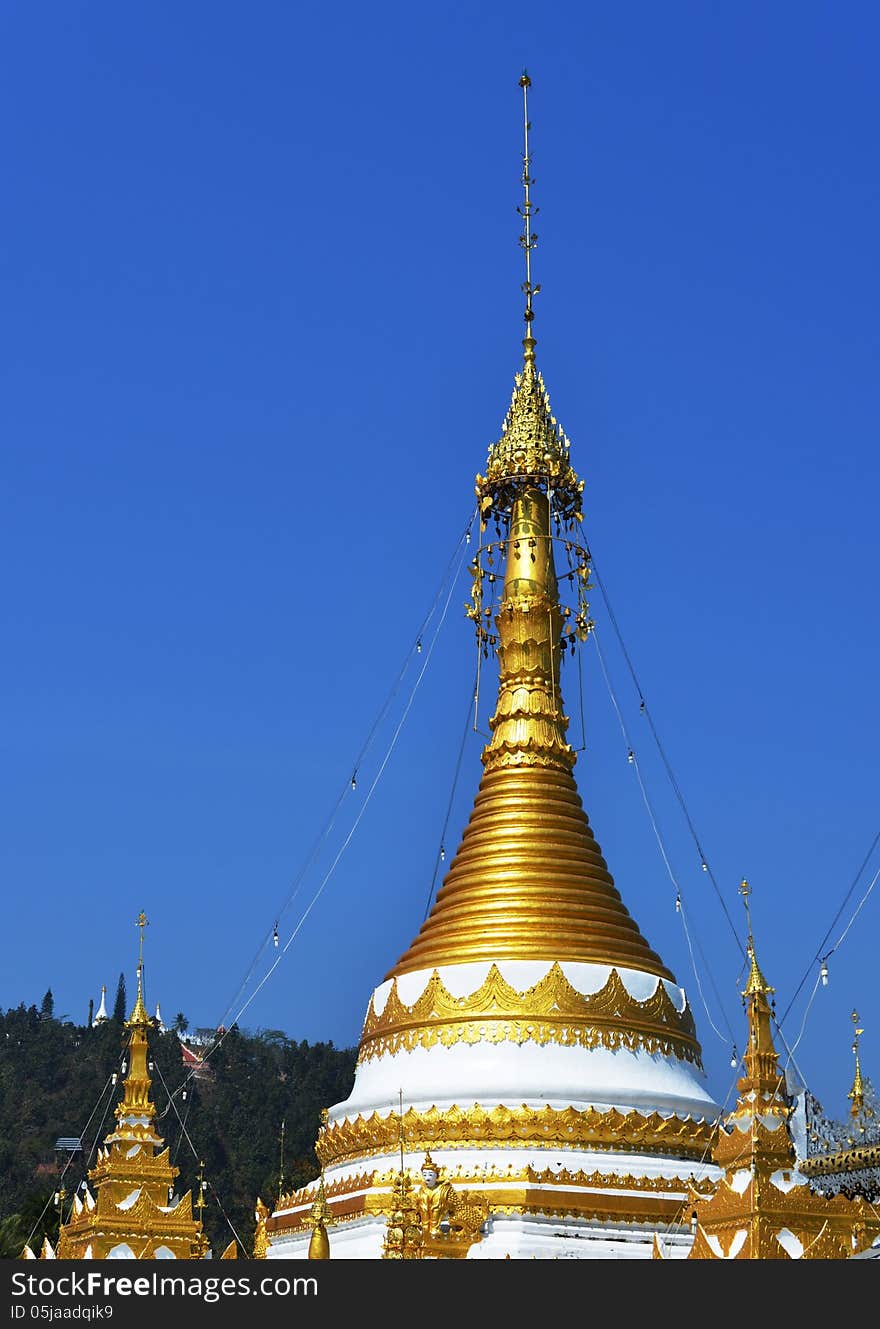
point(843, 1160)
point(548, 1191)
point(551, 1011)
point(497, 1127)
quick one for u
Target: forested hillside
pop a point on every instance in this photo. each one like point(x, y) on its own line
point(55, 1081)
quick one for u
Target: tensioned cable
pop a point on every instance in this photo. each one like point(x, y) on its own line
point(855, 915)
point(791, 1051)
point(643, 707)
point(228, 1219)
point(183, 1124)
point(634, 762)
point(214, 1046)
point(111, 1080)
point(349, 784)
point(197, 1155)
point(687, 936)
point(583, 745)
point(367, 799)
point(439, 858)
point(819, 956)
point(819, 977)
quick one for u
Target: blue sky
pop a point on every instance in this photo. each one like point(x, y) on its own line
point(261, 314)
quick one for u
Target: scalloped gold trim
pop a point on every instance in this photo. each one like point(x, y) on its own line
point(479, 1128)
point(551, 1011)
point(594, 1195)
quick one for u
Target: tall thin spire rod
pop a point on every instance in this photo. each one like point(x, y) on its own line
point(529, 238)
point(140, 923)
point(745, 891)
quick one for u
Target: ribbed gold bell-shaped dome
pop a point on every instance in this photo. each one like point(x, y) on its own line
point(529, 881)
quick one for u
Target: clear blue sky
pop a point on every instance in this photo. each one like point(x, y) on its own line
point(260, 317)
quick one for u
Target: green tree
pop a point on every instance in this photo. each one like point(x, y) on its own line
point(55, 1079)
point(47, 1008)
point(119, 1005)
point(181, 1023)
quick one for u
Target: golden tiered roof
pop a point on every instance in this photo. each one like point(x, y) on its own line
point(762, 1209)
point(130, 1202)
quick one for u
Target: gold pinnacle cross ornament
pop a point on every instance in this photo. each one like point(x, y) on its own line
point(858, 1032)
point(528, 239)
point(745, 891)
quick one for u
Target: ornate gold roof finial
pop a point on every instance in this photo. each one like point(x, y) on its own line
point(756, 980)
point(403, 1232)
point(200, 1190)
point(857, 1093)
point(201, 1242)
point(528, 239)
point(761, 1059)
point(139, 1014)
point(261, 1235)
point(320, 1218)
point(533, 448)
point(281, 1163)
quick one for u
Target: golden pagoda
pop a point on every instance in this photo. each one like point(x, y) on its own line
point(844, 1158)
point(321, 1218)
point(130, 1211)
point(763, 1207)
point(530, 1038)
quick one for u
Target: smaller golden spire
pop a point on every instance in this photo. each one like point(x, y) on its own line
point(201, 1241)
point(281, 1163)
point(139, 1016)
point(320, 1218)
point(757, 983)
point(200, 1200)
point(857, 1093)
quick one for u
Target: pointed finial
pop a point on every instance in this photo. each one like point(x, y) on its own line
point(745, 891)
point(857, 1093)
point(528, 239)
point(320, 1218)
point(756, 981)
point(139, 1013)
point(201, 1187)
point(400, 1127)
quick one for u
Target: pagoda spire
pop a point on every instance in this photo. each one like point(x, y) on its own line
point(761, 1058)
point(762, 1208)
point(549, 1058)
point(856, 1095)
point(320, 1218)
point(131, 1210)
point(529, 880)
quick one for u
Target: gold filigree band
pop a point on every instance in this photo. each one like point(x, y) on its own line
point(551, 1011)
point(497, 1127)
